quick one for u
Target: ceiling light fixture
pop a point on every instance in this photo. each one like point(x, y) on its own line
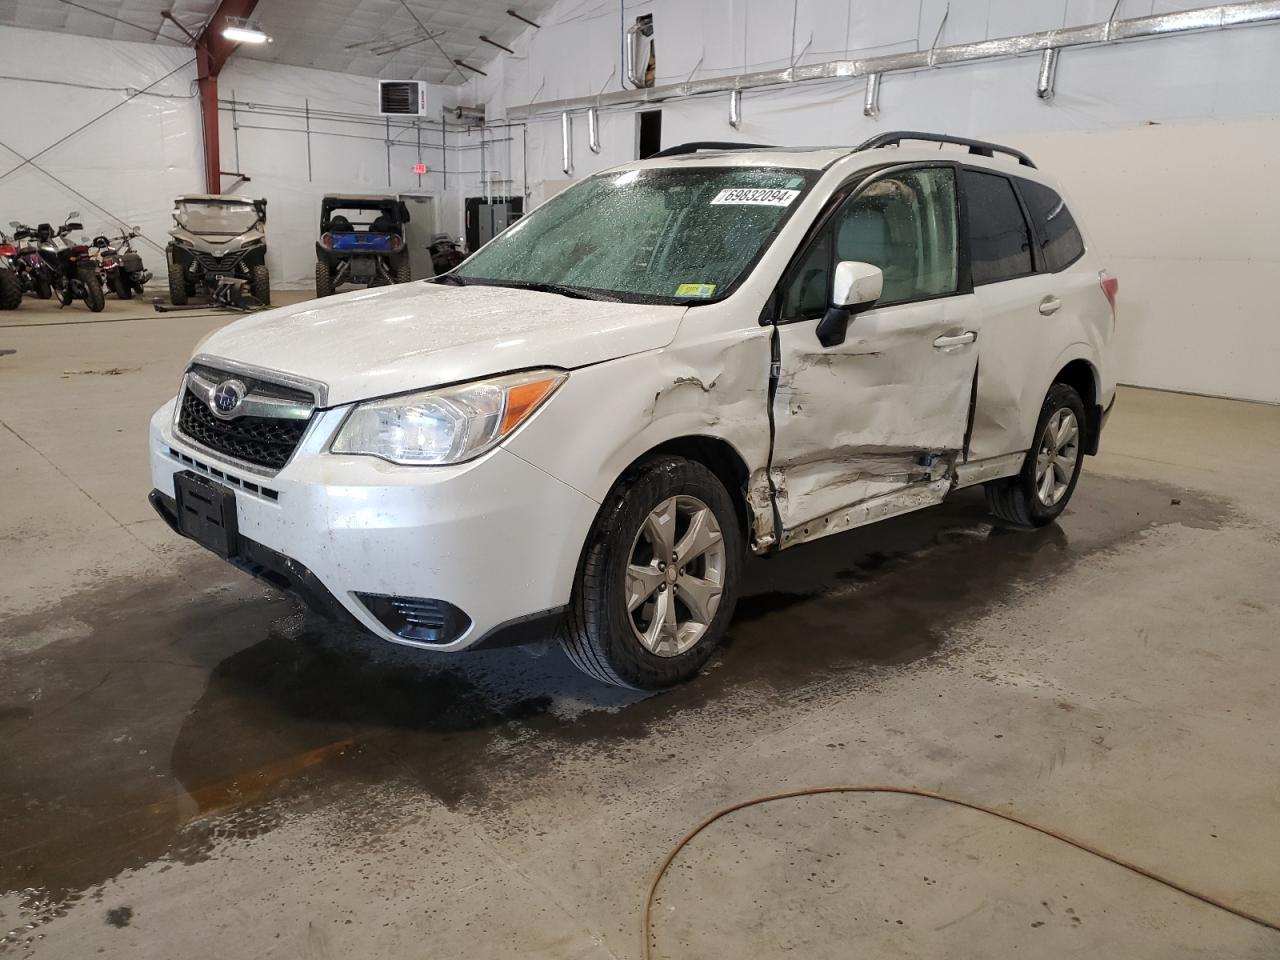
point(240, 30)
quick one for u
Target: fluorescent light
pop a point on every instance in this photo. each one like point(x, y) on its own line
point(242, 31)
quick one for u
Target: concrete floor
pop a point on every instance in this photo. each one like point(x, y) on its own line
point(189, 769)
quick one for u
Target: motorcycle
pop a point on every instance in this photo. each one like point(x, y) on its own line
point(445, 254)
point(120, 266)
point(75, 276)
point(35, 276)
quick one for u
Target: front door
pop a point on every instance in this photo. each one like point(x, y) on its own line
point(875, 425)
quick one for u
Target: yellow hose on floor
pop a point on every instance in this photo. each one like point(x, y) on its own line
point(658, 874)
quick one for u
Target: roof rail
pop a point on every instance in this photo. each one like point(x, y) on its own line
point(682, 148)
point(980, 148)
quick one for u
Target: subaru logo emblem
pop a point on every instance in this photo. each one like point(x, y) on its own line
point(226, 399)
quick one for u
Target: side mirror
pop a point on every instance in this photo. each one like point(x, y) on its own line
point(855, 288)
point(73, 215)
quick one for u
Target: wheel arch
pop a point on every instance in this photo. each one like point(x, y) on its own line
point(1082, 375)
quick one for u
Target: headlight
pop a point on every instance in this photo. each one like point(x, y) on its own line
point(448, 425)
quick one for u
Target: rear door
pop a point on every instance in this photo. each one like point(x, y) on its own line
point(1023, 247)
point(886, 410)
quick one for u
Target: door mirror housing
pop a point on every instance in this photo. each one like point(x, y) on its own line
point(856, 287)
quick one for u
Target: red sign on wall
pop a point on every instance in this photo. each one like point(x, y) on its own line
point(419, 168)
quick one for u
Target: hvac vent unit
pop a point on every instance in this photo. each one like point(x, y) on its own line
point(402, 98)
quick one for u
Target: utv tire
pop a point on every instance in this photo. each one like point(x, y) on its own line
point(95, 298)
point(260, 284)
point(324, 280)
point(177, 284)
point(10, 291)
point(1040, 491)
point(123, 289)
point(403, 273)
point(44, 289)
point(609, 605)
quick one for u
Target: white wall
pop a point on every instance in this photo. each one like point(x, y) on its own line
point(135, 161)
point(1165, 146)
point(131, 164)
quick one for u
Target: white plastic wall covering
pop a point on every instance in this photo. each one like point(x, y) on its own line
point(1136, 28)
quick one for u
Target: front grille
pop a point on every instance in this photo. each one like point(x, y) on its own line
point(223, 266)
point(263, 441)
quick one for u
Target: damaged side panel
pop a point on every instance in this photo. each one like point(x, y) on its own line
point(878, 419)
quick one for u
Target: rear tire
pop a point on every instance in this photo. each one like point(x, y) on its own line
point(10, 291)
point(403, 273)
point(656, 508)
point(260, 284)
point(123, 289)
point(1040, 491)
point(95, 298)
point(324, 279)
point(177, 284)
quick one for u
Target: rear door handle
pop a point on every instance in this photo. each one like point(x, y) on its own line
point(959, 340)
point(1049, 305)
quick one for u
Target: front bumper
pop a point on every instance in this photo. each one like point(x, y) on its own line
point(496, 537)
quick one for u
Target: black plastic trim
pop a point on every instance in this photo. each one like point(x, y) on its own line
point(978, 148)
point(680, 149)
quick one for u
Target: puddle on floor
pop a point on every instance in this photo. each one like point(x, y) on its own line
point(201, 709)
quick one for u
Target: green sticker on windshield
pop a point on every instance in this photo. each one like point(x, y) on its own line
point(696, 290)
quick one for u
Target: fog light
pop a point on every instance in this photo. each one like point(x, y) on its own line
point(420, 619)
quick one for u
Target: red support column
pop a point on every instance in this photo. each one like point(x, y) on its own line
point(212, 52)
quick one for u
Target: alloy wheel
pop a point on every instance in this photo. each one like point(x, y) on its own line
point(675, 575)
point(1057, 457)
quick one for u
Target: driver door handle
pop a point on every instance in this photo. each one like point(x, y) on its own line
point(1049, 305)
point(959, 340)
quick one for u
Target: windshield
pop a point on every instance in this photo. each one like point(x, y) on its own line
point(671, 235)
point(221, 218)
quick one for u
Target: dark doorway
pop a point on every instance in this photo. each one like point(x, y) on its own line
point(650, 133)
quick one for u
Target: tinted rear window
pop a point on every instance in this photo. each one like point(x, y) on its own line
point(1060, 239)
point(999, 241)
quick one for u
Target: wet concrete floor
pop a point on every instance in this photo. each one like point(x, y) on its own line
point(203, 708)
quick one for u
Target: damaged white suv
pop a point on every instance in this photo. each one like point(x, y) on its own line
point(586, 426)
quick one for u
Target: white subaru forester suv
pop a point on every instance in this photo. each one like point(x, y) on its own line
point(585, 427)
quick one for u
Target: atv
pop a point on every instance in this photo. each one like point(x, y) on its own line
point(361, 241)
point(219, 245)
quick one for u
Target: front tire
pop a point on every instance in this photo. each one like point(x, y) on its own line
point(95, 298)
point(324, 279)
point(1040, 491)
point(43, 288)
point(10, 291)
point(659, 577)
point(260, 284)
point(177, 284)
point(123, 289)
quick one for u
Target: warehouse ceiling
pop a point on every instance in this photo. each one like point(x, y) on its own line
point(347, 36)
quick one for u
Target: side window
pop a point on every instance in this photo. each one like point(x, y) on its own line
point(1060, 239)
point(999, 241)
point(905, 225)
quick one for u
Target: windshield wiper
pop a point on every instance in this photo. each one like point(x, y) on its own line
point(449, 278)
point(563, 290)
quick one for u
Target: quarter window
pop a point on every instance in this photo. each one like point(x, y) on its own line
point(999, 242)
point(904, 224)
point(1060, 239)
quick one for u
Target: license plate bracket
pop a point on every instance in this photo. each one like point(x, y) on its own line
point(207, 513)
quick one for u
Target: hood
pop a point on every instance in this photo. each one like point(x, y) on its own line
point(372, 343)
